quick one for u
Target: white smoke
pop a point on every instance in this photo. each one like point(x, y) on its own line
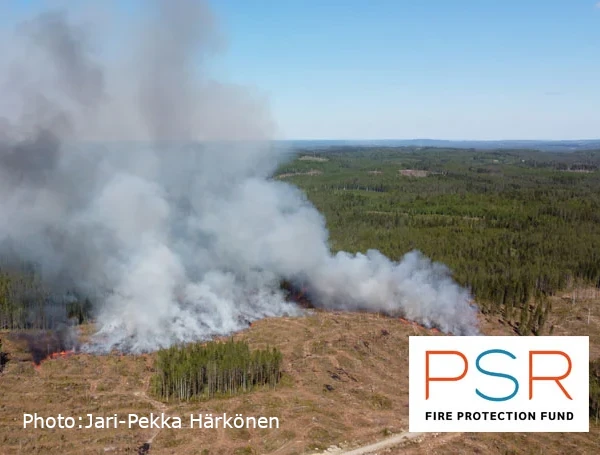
point(175, 241)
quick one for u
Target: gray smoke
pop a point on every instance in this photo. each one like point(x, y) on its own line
point(180, 235)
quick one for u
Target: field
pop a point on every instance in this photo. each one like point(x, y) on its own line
point(520, 228)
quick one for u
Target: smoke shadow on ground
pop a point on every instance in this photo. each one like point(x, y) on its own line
point(42, 344)
point(3, 358)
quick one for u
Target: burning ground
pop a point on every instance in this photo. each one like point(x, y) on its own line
point(65, 340)
point(52, 344)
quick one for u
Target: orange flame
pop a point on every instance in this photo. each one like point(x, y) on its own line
point(61, 354)
point(54, 356)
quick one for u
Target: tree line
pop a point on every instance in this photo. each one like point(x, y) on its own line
point(27, 303)
point(215, 368)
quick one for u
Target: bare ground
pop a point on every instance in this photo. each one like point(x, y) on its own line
point(413, 173)
point(361, 357)
point(345, 384)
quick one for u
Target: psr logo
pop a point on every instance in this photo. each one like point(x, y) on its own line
point(499, 384)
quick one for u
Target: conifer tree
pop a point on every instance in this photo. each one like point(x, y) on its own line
point(207, 370)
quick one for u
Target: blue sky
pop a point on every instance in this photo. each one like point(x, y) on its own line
point(440, 69)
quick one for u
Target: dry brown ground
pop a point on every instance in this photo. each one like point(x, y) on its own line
point(575, 312)
point(362, 356)
point(503, 444)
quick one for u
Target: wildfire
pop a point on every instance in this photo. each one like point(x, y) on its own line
point(301, 296)
point(54, 356)
point(61, 354)
point(297, 294)
point(414, 324)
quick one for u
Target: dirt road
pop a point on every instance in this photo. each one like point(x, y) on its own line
point(379, 445)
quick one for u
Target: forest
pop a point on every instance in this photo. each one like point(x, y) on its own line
point(514, 226)
point(28, 303)
point(213, 369)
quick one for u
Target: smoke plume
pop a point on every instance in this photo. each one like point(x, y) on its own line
point(181, 234)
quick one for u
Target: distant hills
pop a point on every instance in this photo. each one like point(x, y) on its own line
point(556, 146)
point(289, 145)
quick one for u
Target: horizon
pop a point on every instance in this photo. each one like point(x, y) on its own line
point(441, 139)
point(339, 139)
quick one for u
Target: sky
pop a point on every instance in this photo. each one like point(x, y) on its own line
point(406, 69)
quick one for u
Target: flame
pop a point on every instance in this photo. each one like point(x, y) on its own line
point(54, 356)
point(61, 354)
